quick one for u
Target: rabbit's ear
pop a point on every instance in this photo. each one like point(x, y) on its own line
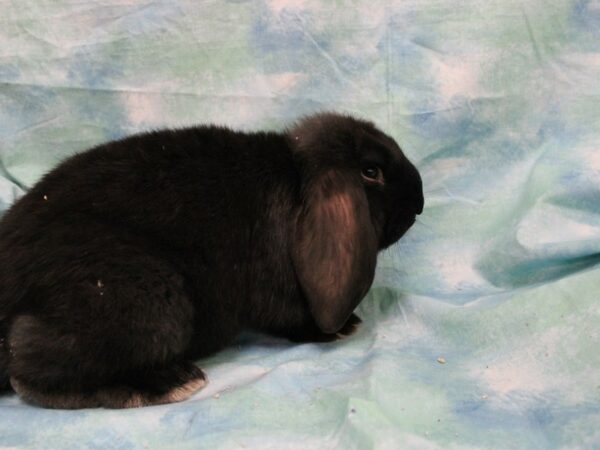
point(335, 247)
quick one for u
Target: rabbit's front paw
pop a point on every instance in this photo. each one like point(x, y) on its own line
point(349, 327)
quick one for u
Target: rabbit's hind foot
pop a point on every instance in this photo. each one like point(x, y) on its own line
point(171, 384)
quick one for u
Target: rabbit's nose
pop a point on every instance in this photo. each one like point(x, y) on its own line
point(421, 202)
point(418, 194)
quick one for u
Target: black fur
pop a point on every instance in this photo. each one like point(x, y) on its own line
point(132, 259)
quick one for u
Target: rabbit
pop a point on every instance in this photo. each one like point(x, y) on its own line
point(133, 259)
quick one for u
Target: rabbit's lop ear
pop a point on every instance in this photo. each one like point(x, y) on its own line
point(335, 248)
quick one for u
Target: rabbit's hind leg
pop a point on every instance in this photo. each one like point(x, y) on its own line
point(110, 335)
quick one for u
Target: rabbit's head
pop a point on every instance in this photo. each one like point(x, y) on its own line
point(360, 194)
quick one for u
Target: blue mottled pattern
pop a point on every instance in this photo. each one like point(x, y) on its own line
point(481, 330)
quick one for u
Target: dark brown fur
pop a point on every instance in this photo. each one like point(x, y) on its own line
point(132, 259)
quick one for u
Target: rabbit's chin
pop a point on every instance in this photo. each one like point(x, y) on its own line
point(393, 234)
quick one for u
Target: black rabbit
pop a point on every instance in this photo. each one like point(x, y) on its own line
point(131, 260)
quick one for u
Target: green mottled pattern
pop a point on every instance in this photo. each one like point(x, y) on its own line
point(497, 103)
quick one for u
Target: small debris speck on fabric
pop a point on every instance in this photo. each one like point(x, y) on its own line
point(484, 397)
point(45, 197)
point(217, 395)
point(100, 285)
point(441, 360)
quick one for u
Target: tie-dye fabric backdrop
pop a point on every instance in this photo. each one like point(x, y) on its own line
point(482, 329)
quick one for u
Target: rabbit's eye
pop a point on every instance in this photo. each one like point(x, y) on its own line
point(372, 173)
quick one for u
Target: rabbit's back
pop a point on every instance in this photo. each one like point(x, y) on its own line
point(161, 180)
